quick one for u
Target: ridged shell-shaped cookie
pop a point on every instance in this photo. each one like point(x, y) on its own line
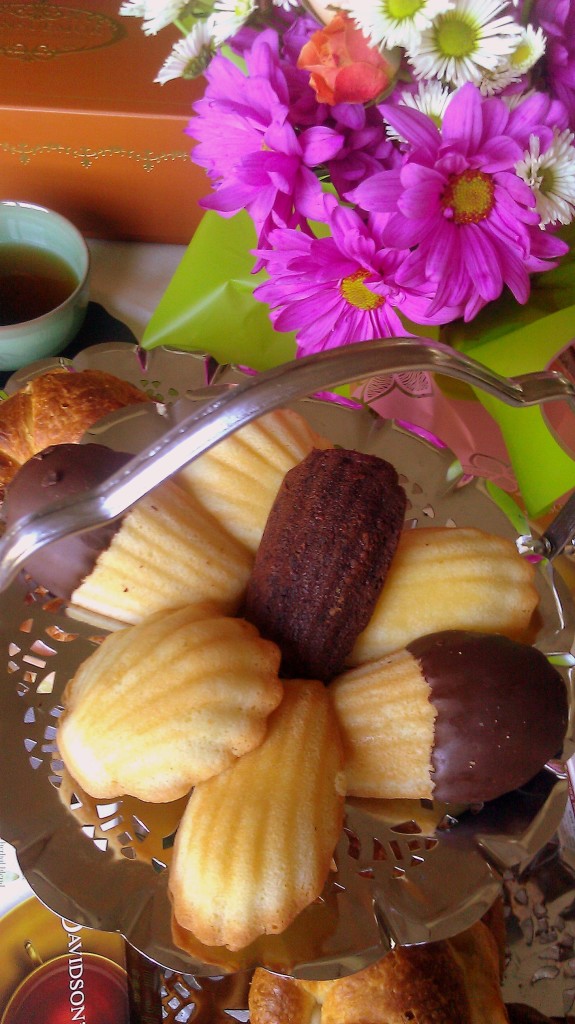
point(386, 722)
point(449, 578)
point(328, 544)
point(168, 552)
point(162, 705)
point(458, 717)
point(255, 843)
point(237, 480)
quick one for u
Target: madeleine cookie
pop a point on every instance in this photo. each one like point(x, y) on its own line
point(238, 479)
point(457, 716)
point(160, 706)
point(166, 551)
point(255, 843)
point(327, 547)
point(449, 578)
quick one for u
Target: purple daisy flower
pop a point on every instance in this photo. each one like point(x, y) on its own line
point(458, 204)
point(365, 150)
point(557, 19)
point(304, 110)
point(251, 152)
point(536, 108)
point(338, 289)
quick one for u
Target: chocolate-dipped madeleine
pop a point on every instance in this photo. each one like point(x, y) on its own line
point(325, 552)
point(456, 716)
point(58, 473)
point(166, 551)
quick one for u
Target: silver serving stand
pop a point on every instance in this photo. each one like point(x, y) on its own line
point(104, 864)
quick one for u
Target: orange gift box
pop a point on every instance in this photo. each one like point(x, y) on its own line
point(84, 128)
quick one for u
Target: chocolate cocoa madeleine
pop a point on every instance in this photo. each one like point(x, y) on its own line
point(327, 546)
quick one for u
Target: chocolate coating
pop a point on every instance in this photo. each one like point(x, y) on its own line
point(502, 712)
point(520, 1013)
point(59, 472)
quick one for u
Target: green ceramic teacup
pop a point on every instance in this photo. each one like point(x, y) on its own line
point(44, 271)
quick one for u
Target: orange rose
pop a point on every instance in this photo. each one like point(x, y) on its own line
point(343, 66)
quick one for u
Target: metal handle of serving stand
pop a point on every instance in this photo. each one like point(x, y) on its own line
point(555, 538)
point(261, 394)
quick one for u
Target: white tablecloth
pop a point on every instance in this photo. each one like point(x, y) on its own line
point(128, 278)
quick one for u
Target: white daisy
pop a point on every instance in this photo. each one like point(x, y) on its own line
point(493, 82)
point(465, 42)
point(286, 5)
point(431, 99)
point(551, 175)
point(229, 16)
point(157, 14)
point(392, 23)
point(191, 55)
point(529, 50)
point(133, 8)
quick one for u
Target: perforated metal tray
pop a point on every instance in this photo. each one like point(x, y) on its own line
point(104, 864)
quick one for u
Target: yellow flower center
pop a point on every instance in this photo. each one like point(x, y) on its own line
point(354, 291)
point(546, 180)
point(402, 9)
point(468, 197)
point(455, 37)
point(522, 55)
point(198, 64)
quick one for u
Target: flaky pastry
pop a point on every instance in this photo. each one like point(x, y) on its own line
point(455, 981)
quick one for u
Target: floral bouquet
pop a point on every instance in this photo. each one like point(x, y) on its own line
point(396, 167)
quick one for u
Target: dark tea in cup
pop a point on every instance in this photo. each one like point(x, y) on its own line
point(44, 283)
point(86, 987)
point(33, 281)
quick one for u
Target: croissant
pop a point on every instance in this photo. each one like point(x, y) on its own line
point(444, 982)
point(54, 408)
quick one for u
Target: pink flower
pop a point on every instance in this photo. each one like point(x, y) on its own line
point(343, 67)
point(458, 204)
point(557, 19)
point(253, 155)
point(339, 289)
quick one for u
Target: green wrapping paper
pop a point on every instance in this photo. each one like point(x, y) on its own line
point(513, 339)
point(544, 470)
point(209, 306)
